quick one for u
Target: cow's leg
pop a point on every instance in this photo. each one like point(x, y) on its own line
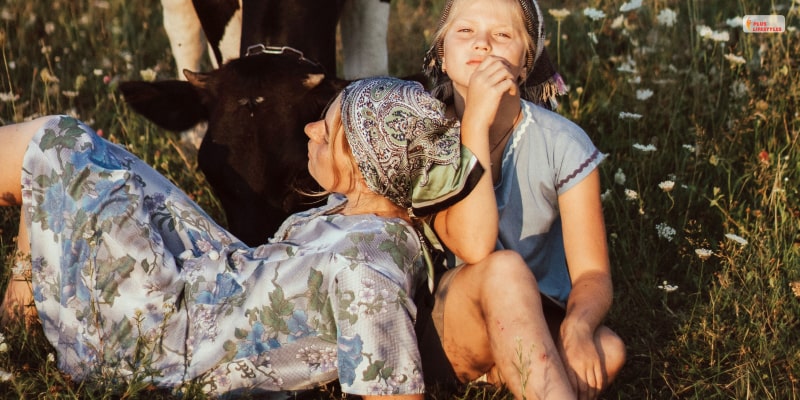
point(363, 26)
point(231, 38)
point(185, 34)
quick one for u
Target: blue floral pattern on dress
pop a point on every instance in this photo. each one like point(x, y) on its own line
point(133, 279)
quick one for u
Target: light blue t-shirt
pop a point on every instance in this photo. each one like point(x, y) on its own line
point(545, 157)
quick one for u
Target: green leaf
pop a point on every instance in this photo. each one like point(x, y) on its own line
point(279, 304)
point(373, 370)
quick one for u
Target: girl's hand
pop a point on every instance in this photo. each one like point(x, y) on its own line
point(582, 361)
point(491, 80)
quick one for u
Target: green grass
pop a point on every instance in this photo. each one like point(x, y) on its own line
point(725, 133)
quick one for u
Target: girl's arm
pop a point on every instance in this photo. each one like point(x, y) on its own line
point(469, 228)
point(587, 253)
point(590, 299)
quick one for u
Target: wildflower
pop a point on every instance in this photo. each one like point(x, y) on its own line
point(667, 186)
point(795, 288)
point(71, 94)
point(734, 59)
point(594, 14)
point(667, 17)
point(559, 14)
point(628, 66)
point(735, 22)
point(148, 75)
point(630, 6)
point(720, 36)
point(49, 28)
point(7, 97)
point(97, 72)
point(704, 31)
point(665, 286)
point(51, 357)
point(619, 177)
point(5, 376)
point(704, 254)
point(605, 196)
point(689, 148)
point(707, 33)
point(665, 231)
point(631, 194)
point(635, 80)
point(3, 347)
point(103, 5)
point(736, 238)
point(646, 149)
point(643, 94)
point(627, 115)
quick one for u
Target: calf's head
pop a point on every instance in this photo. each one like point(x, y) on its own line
point(254, 153)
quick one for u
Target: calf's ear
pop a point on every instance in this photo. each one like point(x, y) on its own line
point(198, 79)
point(312, 80)
point(173, 105)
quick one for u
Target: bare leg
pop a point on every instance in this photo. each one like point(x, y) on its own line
point(18, 299)
point(493, 318)
point(15, 139)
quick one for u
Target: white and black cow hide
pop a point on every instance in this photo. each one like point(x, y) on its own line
point(230, 26)
point(254, 154)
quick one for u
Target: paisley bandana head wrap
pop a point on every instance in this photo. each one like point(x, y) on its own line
point(405, 147)
point(542, 84)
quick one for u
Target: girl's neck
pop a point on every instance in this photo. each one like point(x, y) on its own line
point(508, 115)
point(367, 202)
point(504, 120)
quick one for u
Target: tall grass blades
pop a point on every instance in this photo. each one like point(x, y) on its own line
point(699, 120)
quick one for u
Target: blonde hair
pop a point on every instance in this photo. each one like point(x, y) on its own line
point(443, 88)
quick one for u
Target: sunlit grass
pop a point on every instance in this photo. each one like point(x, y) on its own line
point(699, 121)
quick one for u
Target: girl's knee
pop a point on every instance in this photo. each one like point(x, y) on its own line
point(613, 349)
point(15, 139)
point(507, 266)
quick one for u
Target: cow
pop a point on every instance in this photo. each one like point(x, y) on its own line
point(231, 26)
point(254, 154)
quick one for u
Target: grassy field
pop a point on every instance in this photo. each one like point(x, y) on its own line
point(700, 122)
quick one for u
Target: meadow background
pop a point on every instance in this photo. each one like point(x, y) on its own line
point(699, 120)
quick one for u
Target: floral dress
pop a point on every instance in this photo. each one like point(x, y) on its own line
point(133, 280)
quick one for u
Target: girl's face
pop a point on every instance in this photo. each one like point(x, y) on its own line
point(478, 29)
point(327, 158)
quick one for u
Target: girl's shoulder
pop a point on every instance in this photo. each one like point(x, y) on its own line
point(548, 122)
